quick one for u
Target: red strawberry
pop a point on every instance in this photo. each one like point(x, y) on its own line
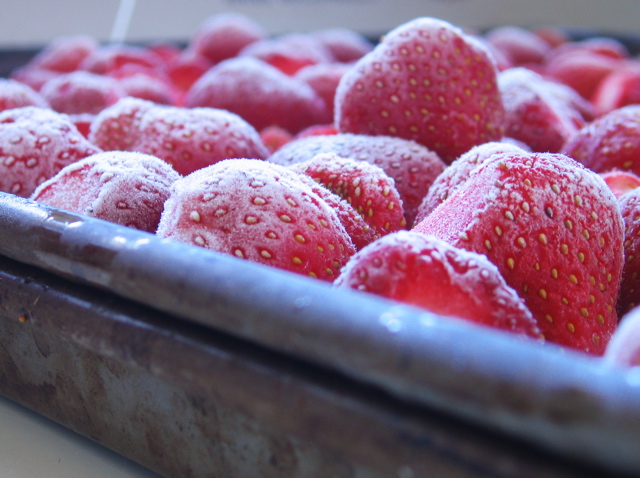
point(344, 44)
point(624, 348)
point(257, 211)
point(222, 36)
point(630, 286)
point(274, 138)
point(260, 93)
point(520, 45)
point(118, 126)
point(82, 92)
point(185, 69)
point(317, 130)
point(425, 81)
point(412, 166)
point(324, 79)
point(110, 58)
point(619, 88)
point(363, 185)
point(621, 182)
point(121, 187)
point(427, 272)
point(14, 94)
point(289, 53)
point(33, 76)
point(65, 54)
point(192, 138)
point(458, 172)
point(554, 230)
point(610, 142)
point(537, 113)
point(36, 143)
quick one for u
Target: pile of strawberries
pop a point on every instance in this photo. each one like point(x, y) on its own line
point(485, 177)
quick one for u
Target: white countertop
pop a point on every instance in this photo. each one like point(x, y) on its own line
point(33, 446)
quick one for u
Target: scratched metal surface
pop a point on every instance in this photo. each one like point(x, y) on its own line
point(372, 386)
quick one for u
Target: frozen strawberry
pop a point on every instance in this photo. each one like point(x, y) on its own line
point(344, 44)
point(14, 94)
point(192, 138)
point(122, 187)
point(151, 87)
point(33, 76)
point(274, 138)
point(222, 36)
point(324, 79)
point(521, 46)
point(185, 69)
point(610, 142)
point(620, 182)
point(258, 211)
point(630, 286)
point(554, 230)
point(289, 53)
point(426, 81)
point(536, 113)
point(36, 143)
point(117, 127)
point(458, 172)
point(623, 349)
point(82, 92)
point(110, 58)
point(260, 93)
point(65, 54)
point(83, 122)
point(317, 130)
point(357, 228)
point(619, 88)
point(427, 272)
point(363, 185)
point(412, 166)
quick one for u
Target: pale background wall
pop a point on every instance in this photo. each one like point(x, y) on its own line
point(33, 22)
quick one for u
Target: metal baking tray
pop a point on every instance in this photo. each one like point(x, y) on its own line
point(198, 364)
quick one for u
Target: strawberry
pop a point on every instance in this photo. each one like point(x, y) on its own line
point(122, 187)
point(185, 69)
point(222, 36)
point(609, 142)
point(117, 127)
point(257, 211)
point(110, 58)
point(619, 88)
point(317, 130)
point(540, 113)
point(630, 286)
point(554, 230)
point(289, 53)
point(412, 166)
point(521, 46)
point(192, 138)
point(620, 182)
point(624, 347)
point(458, 172)
point(36, 143)
point(426, 81)
point(82, 92)
point(344, 44)
point(14, 94)
point(425, 271)
point(33, 76)
point(65, 54)
point(260, 93)
point(324, 79)
point(363, 185)
point(151, 87)
point(275, 137)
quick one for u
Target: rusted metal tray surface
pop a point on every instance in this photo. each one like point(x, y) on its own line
point(194, 363)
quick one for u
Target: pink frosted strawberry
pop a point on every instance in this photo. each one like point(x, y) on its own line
point(260, 212)
point(14, 94)
point(624, 348)
point(519, 45)
point(554, 230)
point(344, 44)
point(118, 126)
point(364, 186)
point(620, 182)
point(260, 93)
point(65, 54)
point(412, 166)
point(630, 286)
point(426, 81)
point(36, 143)
point(424, 271)
point(122, 187)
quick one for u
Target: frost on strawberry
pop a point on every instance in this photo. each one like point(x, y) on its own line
point(554, 230)
point(425, 271)
point(260, 212)
point(122, 187)
point(412, 166)
point(426, 81)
